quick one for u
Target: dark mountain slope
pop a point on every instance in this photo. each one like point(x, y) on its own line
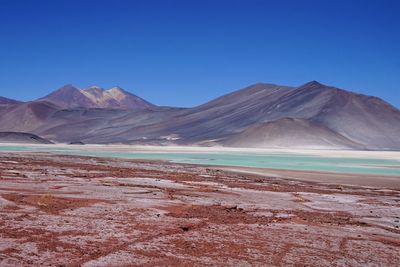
point(68, 96)
point(367, 120)
point(8, 101)
point(22, 138)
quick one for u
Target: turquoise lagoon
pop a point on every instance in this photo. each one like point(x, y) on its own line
point(273, 160)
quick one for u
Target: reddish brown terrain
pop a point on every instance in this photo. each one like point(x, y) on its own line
point(82, 211)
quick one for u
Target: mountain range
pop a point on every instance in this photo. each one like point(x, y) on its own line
point(312, 115)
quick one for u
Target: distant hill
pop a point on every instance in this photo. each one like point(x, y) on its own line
point(27, 117)
point(261, 115)
point(24, 138)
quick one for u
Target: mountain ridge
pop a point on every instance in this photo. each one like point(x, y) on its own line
point(346, 119)
point(70, 96)
point(8, 101)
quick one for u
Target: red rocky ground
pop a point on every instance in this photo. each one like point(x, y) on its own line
point(81, 211)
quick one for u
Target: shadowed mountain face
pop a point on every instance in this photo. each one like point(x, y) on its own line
point(8, 101)
point(68, 97)
point(22, 138)
point(262, 115)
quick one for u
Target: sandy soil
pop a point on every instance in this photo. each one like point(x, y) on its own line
point(83, 211)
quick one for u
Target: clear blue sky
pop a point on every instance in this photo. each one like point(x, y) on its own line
point(183, 53)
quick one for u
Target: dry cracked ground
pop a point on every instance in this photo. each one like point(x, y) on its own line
point(82, 211)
